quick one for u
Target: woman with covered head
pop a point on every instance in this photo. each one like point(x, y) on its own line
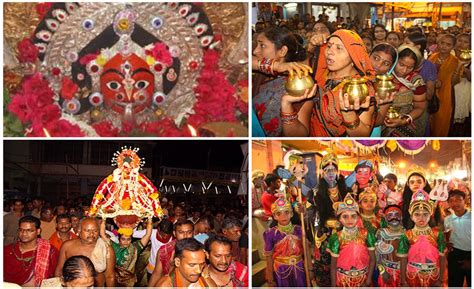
point(331, 113)
point(410, 97)
point(321, 216)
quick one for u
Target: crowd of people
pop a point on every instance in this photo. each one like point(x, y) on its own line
point(193, 245)
point(429, 69)
point(363, 229)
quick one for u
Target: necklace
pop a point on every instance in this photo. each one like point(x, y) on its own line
point(417, 231)
point(220, 286)
point(287, 229)
point(334, 194)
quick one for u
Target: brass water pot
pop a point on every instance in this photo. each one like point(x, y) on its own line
point(465, 55)
point(392, 113)
point(296, 86)
point(356, 88)
point(384, 86)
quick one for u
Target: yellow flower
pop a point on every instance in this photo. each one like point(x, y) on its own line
point(159, 211)
point(98, 196)
point(150, 60)
point(126, 204)
point(125, 231)
point(100, 60)
point(110, 179)
point(154, 195)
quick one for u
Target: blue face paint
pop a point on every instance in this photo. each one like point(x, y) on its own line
point(330, 175)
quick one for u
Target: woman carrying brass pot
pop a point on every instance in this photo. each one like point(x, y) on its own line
point(277, 50)
point(332, 112)
point(410, 97)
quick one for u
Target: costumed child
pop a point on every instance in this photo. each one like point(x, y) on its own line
point(351, 249)
point(388, 264)
point(284, 249)
point(367, 203)
point(422, 248)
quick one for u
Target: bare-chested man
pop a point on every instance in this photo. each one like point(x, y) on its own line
point(189, 261)
point(90, 245)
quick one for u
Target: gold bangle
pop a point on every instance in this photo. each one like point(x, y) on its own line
point(352, 125)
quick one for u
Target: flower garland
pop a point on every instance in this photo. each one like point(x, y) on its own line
point(36, 107)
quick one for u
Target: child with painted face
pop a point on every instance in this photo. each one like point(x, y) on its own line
point(421, 249)
point(367, 203)
point(361, 178)
point(284, 249)
point(388, 264)
point(351, 249)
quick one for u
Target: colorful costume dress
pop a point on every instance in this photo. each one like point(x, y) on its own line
point(352, 252)
point(423, 248)
point(287, 252)
point(385, 251)
point(371, 223)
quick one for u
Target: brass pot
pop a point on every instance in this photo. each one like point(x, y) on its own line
point(356, 88)
point(296, 86)
point(392, 113)
point(384, 86)
point(465, 55)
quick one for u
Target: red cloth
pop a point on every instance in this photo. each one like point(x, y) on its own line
point(240, 274)
point(22, 267)
point(267, 201)
point(56, 242)
point(165, 253)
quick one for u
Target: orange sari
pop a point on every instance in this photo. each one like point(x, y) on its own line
point(442, 120)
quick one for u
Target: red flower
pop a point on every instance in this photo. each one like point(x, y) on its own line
point(105, 129)
point(68, 88)
point(42, 9)
point(88, 58)
point(48, 114)
point(34, 96)
point(164, 128)
point(27, 51)
point(272, 125)
point(161, 53)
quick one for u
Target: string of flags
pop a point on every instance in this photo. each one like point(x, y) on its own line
point(193, 188)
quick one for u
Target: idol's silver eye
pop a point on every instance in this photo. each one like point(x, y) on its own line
point(157, 22)
point(141, 84)
point(113, 85)
point(88, 24)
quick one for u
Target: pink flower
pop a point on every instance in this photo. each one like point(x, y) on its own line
point(43, 8)
point(161, 53)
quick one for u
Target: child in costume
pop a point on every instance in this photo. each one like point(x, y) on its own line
point(284, 249)
point(388, 264)
point(422, 248)
point(351, 249)
point(367, 203)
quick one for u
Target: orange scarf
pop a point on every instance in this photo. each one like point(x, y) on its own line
point(327, 119)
